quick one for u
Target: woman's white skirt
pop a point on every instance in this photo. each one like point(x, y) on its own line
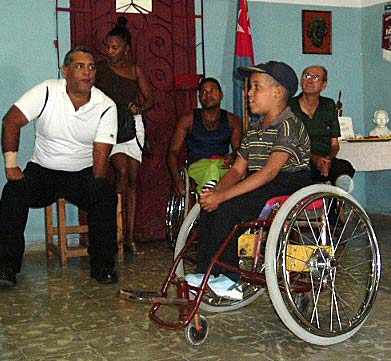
point(131, 148)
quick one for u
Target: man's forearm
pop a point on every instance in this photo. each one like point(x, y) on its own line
point(173, 166)
point(101, 159)
point(101, 170)
point(10, 139)
point(334, 148)
point(13, 121)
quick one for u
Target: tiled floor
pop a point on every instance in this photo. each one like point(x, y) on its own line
point(61, 314)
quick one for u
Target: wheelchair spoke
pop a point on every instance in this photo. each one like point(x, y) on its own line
point(315, 295)
point(334, 303)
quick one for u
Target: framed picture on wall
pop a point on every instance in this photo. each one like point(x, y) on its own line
point(316, 32)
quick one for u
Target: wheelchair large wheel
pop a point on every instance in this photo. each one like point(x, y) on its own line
point(210, 303)
point(322, 265)
point(176, 211)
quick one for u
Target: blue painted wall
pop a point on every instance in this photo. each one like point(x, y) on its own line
point(27, 56)
point(377, 95)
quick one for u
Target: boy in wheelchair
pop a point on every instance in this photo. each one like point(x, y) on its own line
point(208, 133)
point(273, 157)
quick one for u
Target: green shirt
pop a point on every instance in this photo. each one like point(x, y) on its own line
point(322, 127)
point(285, 134)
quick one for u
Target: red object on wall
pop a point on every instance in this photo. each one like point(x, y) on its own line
point(164, 44)
point(386, 40)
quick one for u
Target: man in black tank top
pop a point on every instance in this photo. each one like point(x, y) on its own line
point(208, 134)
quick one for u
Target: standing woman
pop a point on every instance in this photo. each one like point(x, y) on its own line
point(124, 81)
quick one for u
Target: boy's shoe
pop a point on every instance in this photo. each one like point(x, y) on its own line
point(224, 287)
point(345, 182)
point(195, 280)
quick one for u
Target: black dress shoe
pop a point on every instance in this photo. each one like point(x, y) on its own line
point(7, 277)
point(105, 275)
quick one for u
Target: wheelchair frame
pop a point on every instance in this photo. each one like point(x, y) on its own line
point(323, 296)
point(177, 209)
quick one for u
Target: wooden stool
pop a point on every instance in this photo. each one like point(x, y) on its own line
point(62, 230)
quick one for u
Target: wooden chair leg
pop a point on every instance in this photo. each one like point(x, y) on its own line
point(62, 233)
point(120, 230)
point(49, 232)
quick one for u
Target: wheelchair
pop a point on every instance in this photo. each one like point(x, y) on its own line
point(315, 251)
point(178, 208)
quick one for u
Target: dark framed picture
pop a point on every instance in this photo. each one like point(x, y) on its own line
point(317, 32)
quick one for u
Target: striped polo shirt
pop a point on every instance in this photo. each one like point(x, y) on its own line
point(285, 134)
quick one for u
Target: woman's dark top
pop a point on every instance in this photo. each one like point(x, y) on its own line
point(121, 90)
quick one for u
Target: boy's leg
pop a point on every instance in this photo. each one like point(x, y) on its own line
point(216, 226)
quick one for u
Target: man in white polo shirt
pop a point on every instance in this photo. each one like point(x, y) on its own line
point(75, 128)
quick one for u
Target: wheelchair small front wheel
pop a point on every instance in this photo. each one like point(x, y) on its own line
point(197, 330)
point(322, 264)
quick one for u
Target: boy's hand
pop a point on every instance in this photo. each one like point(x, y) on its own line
point(211, 199)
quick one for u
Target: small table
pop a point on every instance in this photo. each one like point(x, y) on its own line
point(367, 155)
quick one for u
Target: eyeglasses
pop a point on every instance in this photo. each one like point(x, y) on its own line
point(314, 77)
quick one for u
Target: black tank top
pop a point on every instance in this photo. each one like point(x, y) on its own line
point(204, 143)
point(121, 90)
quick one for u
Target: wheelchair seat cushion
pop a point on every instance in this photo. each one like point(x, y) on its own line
point(277, 202)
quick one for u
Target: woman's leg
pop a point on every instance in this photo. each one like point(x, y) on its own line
point(133, 174)
point(127, 170)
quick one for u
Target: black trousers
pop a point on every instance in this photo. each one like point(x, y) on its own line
point(215, 226)
point(338, 168)
point(39, 188)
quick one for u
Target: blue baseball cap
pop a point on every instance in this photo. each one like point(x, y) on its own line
point(278, 70)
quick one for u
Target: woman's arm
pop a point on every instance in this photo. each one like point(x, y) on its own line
point(145, 89)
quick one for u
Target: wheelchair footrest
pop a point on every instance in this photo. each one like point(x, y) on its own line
point(150, 297)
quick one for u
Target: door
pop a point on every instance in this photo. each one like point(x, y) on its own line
point(164, 44)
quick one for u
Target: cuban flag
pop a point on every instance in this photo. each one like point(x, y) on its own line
point(244, 55)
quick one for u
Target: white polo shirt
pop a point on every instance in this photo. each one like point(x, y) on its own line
point(65, 136)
